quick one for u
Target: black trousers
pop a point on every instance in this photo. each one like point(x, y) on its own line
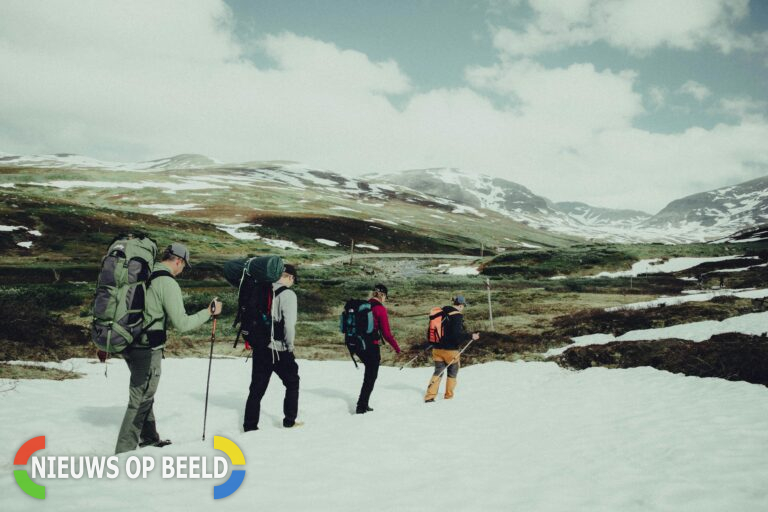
point(265, 361)
point(371, 358)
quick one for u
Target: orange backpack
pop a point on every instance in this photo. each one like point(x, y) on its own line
point(437, 319)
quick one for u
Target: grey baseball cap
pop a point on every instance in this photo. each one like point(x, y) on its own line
point(180, 250)
point(459, 299)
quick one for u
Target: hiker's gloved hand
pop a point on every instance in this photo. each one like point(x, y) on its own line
point(215, 307)
point(102, 356)
point(475, 336)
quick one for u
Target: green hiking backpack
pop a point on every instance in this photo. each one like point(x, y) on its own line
point(253, 278)
point(118, 305)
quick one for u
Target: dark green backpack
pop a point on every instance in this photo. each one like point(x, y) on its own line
point(118, 305)
point(253, 278)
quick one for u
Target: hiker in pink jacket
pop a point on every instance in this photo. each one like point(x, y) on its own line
point(371, 355)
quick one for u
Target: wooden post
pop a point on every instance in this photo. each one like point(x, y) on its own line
point(490, 307)
point(352, 251)
point(482, 249)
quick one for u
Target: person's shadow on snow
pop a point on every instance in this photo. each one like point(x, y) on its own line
point(102, 416)
point(236, 402)
point(350, 400)
point(403, 387)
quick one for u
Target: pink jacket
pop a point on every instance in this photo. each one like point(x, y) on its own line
point(381, 324)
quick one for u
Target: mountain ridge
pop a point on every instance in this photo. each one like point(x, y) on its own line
point(703, 216)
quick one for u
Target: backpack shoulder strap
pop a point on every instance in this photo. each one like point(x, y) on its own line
point(280, 290)
point(154, 275)
point(437, 314)
point(158, 273)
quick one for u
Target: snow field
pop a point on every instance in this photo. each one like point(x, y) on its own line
point(696, 296)
point(656, 266)
point(518, 436)
point(753, 324)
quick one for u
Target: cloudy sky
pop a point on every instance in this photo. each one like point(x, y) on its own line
point(617, 103)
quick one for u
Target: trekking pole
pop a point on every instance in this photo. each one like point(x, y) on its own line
point(440, 376)
point(417, 356)
point(210, 360)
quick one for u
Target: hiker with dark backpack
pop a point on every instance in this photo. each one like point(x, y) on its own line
point(267, 314)
point(163, 305)
point(365, 342)
point(446, 334)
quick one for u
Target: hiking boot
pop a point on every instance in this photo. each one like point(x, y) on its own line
point(159, 443)
point(429, 401)
point(294, 424)
point(363, 410)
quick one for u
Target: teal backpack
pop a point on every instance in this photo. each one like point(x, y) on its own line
point(118, 305)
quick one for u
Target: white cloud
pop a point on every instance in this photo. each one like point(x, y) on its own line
point(699, 91)
point(657, 96)
point(637, 26)
point(131, 81)
point(746, 110)
point(329, 67)
point(577, 96)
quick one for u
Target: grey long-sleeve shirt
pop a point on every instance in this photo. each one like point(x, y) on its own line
point(285, 307)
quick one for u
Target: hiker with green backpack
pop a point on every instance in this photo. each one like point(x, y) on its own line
point(135, 302)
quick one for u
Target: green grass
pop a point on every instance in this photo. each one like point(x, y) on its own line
point(13, 372)
point(51, 311)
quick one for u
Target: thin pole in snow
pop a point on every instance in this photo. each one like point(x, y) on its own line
point(490, 306)
point(352, 251)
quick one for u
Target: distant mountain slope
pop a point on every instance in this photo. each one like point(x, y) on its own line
point(274, 203)
point(746, 235)
point(596, 216)
point(72, 161)
point(699, 217)
point(715, 213)
point(471, 189)
point(521, 204)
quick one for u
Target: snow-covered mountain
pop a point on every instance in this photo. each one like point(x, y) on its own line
point(72, 161)
point(596, 217)
point(520, 204)
point(752, 234)
point(699, 217)
point(472, 189)
point(715, 213)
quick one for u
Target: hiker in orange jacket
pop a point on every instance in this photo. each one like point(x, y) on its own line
point(446, 352)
